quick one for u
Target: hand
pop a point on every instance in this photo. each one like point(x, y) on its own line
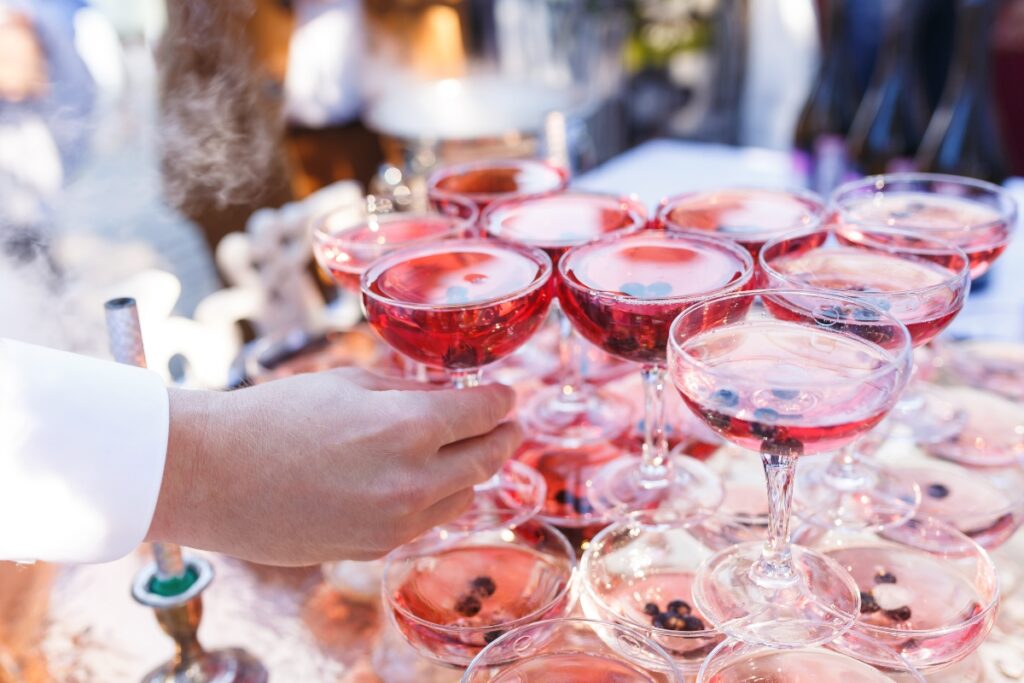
point(327, 466)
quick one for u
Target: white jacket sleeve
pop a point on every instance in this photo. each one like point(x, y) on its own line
point(82, 448)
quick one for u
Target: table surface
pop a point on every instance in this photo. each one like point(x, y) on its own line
point(89, 629)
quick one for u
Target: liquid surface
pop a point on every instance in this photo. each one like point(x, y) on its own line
point(653, 267)
point(572, 667)
point(526, 177)
point(798, 666)
point(776, 384)
point(466, 276)
point(562, 220)
point(744, 215)
point(921, 210)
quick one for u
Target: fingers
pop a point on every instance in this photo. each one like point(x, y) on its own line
point(466, 413)
point(373, 382)
point(443, 511)
point(471, 461)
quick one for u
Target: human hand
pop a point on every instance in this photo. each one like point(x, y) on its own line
point(327, 466)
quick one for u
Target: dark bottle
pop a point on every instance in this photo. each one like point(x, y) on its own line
point(893, 115)
point(820, 138)
point(963, 137)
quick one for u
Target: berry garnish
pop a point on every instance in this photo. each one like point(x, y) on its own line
point(660, 620)
point(492, 636)
point(673, 622)
point(564, 497)
point(658, 289)
point(868, 604)
point(483, 586)
point(634, 289)
point(885, 577)
point(898, 614)
point(468, 605)
point(790, 446)
point(785, 394)
point(582, 506)
point(937, 490)
point(679, 607)
point(651, 609)
point(865, 315)
point(693, 623)
point(726, 397)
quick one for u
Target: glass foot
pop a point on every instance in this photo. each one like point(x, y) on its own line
point(869, 497)
point(820, 602)
point(586, 417)
point(688, 490)
point(517, 487)
point(217, 666)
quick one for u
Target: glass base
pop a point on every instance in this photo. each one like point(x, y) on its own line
point(515, 487)
point(927, 417)
point(689, 490)
point(820, 603)
point(869, 497)
point(217, 666)
point(587, 417)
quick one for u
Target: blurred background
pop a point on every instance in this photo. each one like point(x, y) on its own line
point(138, 133)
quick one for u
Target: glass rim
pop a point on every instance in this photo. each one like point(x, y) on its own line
point(321, 235)
point(900, 361)
point(500, 209)
point(1007, 207)
point(671, 667)
point(446, 171)
point(566, 590)
point(725, 245)
point(588, 559)
point(539, 256)
point(812, 199)
point(961, 276)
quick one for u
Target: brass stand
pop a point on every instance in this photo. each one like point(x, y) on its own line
point(179, 616)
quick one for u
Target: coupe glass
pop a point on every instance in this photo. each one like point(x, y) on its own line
point(786, 373)
point(454, 590)
point(460, 305)
point(488, 181)
point(919, 280)
point(573, 651)
point(621, 293)
point(570, 413)
point(978, 217)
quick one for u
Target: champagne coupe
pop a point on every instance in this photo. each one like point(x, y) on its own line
point(737, 662)
point(749, 216)
point(573, 651)
point(621, 293)
point(977, 216)
point(927, 591)
point(488, 181)
point(786, 373)
point(460, 305)
point(921, 281)
point(570, 413)
point(454, 590)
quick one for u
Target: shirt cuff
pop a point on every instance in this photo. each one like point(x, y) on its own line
point(82, 449)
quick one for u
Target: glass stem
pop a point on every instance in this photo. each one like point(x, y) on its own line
point(776, 564)
point(570, 357)
point(844, 468)
point(655, 463)
point(462, 379)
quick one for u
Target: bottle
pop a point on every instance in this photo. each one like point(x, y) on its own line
point(893, 115)
point(819, 141)
point(963, 136)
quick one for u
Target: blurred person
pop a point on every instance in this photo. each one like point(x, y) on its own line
point(97, 457)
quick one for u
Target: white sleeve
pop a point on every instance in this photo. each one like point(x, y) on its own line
point(82, 448)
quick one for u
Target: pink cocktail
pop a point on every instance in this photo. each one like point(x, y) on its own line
point(622, 293)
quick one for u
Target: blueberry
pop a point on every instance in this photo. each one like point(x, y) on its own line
point(766, 415)
point(660, 620)
point(785, 394)
point(726, 397)
point(483, 586)
point(582, 506)
point(693, 623)
point(898, 614)
point(456, 294)
point(492, 636)
point(937, 490)
point(868, 604)
point(865, 315)
point(651, 609)
point(761, 426)
point(679, 607)
point(829, 315)
point(634, 289)
point(468, 605)
point(885, 577)
point(659, 289)
point(564, 497)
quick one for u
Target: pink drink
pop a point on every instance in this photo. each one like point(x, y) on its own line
point(485, 182)
point(451, 604)
point(347, 252)
point(916, 292)
point(622, 294)
point(798, 389)
point(573, 667)
point(557, 222)
point(977, 228)
point(458, 305)
point(748, 216)
point(797, 666)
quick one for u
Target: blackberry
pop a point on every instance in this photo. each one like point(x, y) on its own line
point(468, 605)
point(483, 586)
